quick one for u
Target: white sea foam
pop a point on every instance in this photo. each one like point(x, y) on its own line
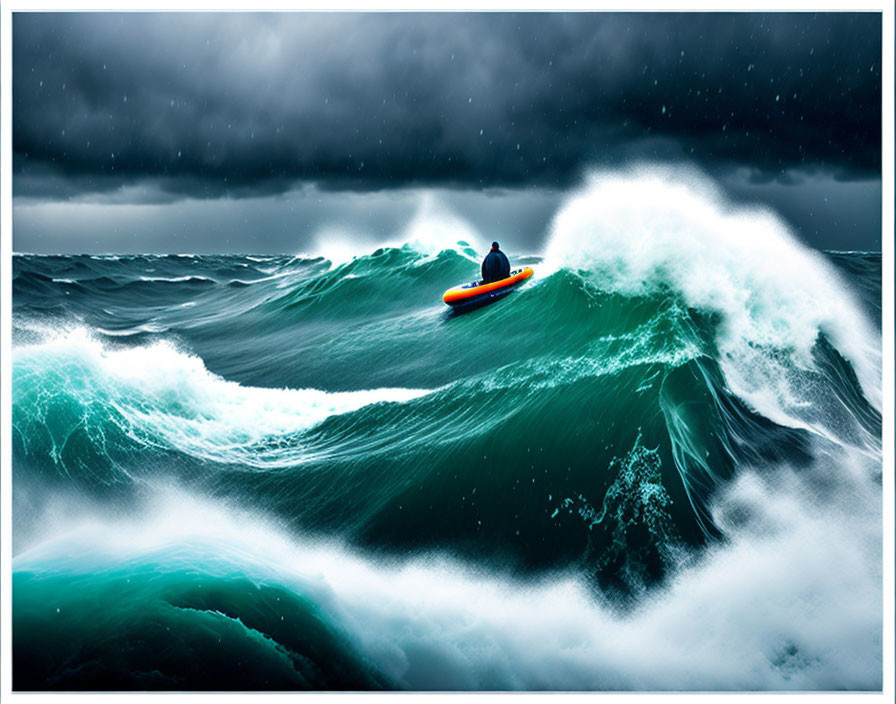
point(338, 245)
point(150, 327)
point(175, 279)
point(792, 601)
point(434, 228)
point(165, 396)
point(636, 232)
point(272, 277)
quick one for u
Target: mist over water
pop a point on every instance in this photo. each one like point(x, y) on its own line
point(657, 465)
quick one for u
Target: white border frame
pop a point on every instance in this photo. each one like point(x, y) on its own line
point(886, 7)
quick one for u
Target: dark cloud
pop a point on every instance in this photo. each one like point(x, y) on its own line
point(303, 220)
point(822, 211)
point(205, 105)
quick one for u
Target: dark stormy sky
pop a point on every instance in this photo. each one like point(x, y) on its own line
point(270, 132)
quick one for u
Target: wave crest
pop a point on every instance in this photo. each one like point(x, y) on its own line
point(656, 229)
point(159, 395)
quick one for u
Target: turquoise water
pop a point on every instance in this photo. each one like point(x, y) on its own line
point(656, 465)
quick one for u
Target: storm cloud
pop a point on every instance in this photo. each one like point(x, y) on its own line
point(206, 105)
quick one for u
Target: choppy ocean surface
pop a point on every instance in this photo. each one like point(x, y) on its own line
point(655, 466)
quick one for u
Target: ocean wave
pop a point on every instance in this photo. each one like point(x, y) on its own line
point(761, 612)
point(160, 396)
point(657, 465)
point(775, 295)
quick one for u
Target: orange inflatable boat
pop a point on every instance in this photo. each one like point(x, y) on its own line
point(477, 293)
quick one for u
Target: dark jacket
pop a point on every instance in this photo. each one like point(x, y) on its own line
point(495, 266)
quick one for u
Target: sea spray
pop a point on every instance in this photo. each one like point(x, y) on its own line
point(753, 614)
point(659, 228)
point(379, 518)
point(158, 395)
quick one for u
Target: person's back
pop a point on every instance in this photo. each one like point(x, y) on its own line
point(495, 266)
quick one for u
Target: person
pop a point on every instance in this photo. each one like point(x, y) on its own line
point(495, 266)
